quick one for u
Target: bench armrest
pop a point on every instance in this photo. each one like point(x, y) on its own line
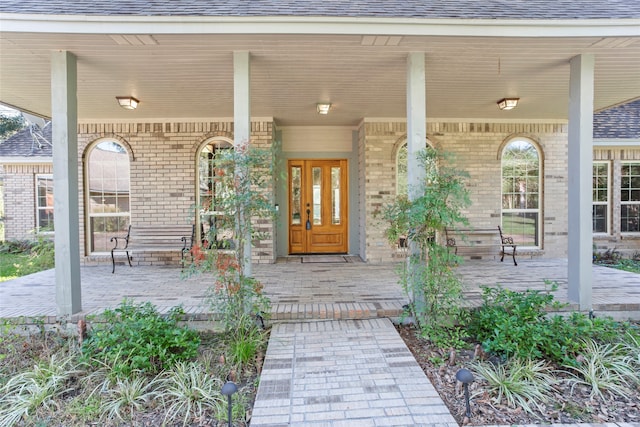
point(506, 240)
point(119, 240)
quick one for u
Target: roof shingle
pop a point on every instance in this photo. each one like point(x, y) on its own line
point(463, 9)
point(620, 122)
point(29, 142)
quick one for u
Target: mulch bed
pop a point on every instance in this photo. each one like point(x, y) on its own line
point(565, 406)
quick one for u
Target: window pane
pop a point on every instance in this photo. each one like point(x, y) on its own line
point(316, 174)
point(629, 218)
point(45, 220)
point(296, 173)
point(44, 202)
point(103, 228)
point(630, 183)
point(523, 227)
point(600, 218)
point(335, 195)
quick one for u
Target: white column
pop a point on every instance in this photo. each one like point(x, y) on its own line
point(580, 171)
point(416, 118)
point(416, 141)
point(242, 124)
point(64, 118)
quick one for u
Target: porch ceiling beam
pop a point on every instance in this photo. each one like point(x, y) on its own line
point(65, 182)
point(580, 170)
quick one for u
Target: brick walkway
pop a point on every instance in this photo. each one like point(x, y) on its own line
point(344, 373)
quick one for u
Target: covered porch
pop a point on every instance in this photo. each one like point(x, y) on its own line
point(317, 290)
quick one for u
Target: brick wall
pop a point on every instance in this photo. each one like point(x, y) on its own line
point(163, 189)
point(19, 198)
point(476, 149)
point(162, 165)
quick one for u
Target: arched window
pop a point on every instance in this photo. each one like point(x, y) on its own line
point(521, 192)
point(108, 202)
point(209, 193)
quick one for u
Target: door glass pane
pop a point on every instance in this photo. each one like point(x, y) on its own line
point(335, 195)
point(296, 174)
point(317, 192)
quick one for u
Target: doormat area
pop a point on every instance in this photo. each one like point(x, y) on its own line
point(323, 259)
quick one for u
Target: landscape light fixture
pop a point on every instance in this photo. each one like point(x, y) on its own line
point(465, 377)
point(228, 389)
point(508, 103)
point(323, 107)
point(127, 102)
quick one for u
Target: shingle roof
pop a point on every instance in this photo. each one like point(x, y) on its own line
point(29, 142)
point(620, 122)
point(465, 9)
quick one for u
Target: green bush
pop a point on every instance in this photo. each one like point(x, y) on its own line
point(137, 337)
point(517, 324)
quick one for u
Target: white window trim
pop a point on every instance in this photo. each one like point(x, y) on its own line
point(37, 204)
point(540, 193)
point(607, 232)
point(622, 203)
point(87, 194)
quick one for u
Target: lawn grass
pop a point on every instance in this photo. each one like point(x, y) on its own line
point(19, 258)
point(12, 265)
point(631, 265)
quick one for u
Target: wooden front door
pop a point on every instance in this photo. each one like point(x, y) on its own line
point(318, 206)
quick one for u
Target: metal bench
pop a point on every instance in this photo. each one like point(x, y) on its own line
point(153, 238)
point(478, 242)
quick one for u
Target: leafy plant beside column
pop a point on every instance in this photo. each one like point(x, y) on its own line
point(428, 277)
point(241, 175)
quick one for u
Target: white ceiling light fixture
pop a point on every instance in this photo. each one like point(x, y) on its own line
point(127, 102)
point(323, 107)
point(508, 103)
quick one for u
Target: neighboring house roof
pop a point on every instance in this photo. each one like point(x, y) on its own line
point(620, 122)
point(465, 9)
point(31, 142)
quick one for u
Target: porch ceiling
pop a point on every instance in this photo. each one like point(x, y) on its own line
point(185, 76)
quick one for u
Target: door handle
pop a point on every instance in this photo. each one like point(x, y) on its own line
point(308, 225)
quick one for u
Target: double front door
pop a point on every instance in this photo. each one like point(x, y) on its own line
point(318, 205)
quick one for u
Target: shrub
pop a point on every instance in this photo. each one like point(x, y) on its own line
point(517, 324)
point(609, 256)
point(137, 337)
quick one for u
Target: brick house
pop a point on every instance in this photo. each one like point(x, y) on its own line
point(26, 171)
point(392, 75)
